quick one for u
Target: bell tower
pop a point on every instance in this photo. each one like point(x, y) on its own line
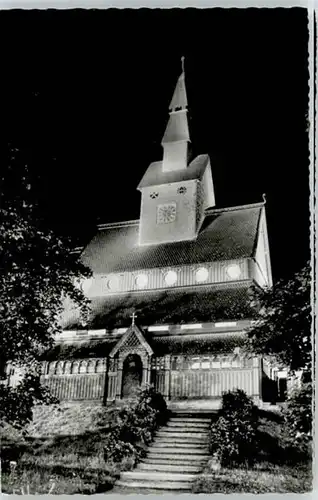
point(175, 194)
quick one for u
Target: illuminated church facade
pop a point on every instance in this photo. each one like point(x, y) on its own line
point(170, 293)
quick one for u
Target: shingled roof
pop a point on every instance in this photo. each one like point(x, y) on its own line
point(204, 303)
point(225, 234)
point(161, 345)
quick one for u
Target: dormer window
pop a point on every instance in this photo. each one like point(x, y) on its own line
point(201, 275)
point(233, 271)
point(113, 283)
point(141, 280)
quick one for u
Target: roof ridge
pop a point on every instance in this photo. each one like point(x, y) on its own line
point(210, 211)
point(125, 223)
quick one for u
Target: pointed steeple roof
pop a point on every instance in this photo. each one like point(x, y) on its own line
point(179, 99)
point(177, 128)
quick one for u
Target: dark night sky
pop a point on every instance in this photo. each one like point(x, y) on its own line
point(101, 82)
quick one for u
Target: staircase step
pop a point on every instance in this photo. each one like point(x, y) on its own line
point(177, 444)
point(173, 433)
point(178, 417)
point(182, 439)
point(189, 425)
point(182, 443)
point(157, 476)
point(180, 451)
point(185, 430)
point(159, 485)
point(176, 455)
point(168, 467)
point(178, 413)
point(179, 461)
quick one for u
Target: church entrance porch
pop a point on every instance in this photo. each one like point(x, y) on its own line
point(132, 375)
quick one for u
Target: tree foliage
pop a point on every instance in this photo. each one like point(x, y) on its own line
point(283, 327)
point(233, 435)
point(137, 423)
point(298, 415)
point(38, 271)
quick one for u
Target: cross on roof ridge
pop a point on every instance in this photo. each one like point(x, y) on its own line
point(133, 317)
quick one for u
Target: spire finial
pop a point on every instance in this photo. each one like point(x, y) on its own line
point(133, 316)
point(182, 64)
point(264, 197)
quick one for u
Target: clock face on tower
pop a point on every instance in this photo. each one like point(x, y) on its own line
point(166, 213)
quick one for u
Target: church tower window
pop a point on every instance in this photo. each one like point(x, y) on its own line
point(154, 195)
point(182, 190)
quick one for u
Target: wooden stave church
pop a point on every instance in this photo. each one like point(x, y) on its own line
point(170, 292)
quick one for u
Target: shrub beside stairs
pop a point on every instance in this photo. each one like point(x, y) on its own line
point(175, 458)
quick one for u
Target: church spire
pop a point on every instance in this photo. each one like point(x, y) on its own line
point(176, 137)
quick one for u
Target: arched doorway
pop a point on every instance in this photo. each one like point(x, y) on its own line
point(132, 375)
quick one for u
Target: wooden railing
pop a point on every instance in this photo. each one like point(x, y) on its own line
point(76, 387)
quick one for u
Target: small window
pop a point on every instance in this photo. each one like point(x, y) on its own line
point(248, 362)
point(195, 364)
point(113, 283)
point(161, 363)
point(91, 367)
point(154, 195)
point(226, 362)
point(82, 368)
point(201, 274)
point(171, 278)
point(182, 190)
point(74, 367)
point(141, 280)
point(205, 365)
point(237, 362)
point(216, 363)
point(174, 363)
point(186, 364)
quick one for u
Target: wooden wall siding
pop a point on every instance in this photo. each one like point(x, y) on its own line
point(159, 381)
point(77, 387)
point(112, 386)
point(206, 384)
point(186, 277)
point(256, 273)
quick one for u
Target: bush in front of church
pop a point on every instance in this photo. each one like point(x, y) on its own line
point(233, 437)
point(137, 422)
point(298, 417)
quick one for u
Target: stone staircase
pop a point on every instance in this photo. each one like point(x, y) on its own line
point(174, 459)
